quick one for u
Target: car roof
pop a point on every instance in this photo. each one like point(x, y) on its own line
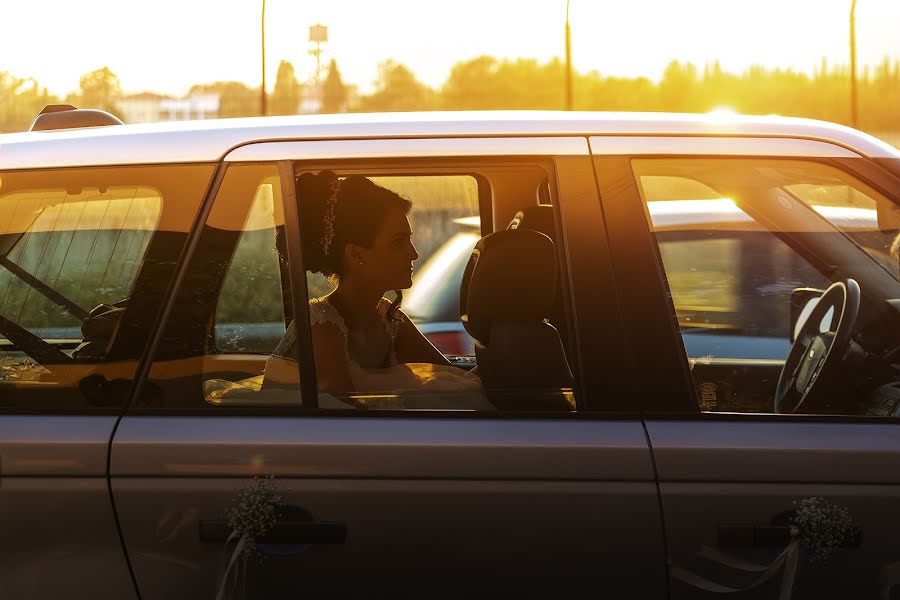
point(210, 140)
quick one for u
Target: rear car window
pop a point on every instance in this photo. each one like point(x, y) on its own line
point(85, 256)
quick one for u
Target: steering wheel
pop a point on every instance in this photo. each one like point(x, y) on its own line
point(816, 354)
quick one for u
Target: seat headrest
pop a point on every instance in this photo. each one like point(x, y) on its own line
point(538, 217)
point(511, 276)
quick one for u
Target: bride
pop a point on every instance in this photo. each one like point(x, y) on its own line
point(357, 233)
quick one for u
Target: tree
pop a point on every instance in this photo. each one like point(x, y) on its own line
point(678, 88)
point(20, 102)
point(334, 94)
point(398, 89)
point(286, 97)
point(469, 86)
point(99, 89)
point(235, 98)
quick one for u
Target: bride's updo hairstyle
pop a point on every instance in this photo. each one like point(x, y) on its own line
point(336, 212)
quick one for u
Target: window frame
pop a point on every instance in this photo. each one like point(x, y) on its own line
point(604, 376)
point(570, 167)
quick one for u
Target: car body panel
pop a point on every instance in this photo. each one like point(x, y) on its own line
point(454, 486)
point(756, 473)
point(56, 515)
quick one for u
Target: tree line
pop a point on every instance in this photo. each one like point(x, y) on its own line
point(488, 83)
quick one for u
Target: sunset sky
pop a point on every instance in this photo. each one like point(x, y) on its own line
point(167, 45)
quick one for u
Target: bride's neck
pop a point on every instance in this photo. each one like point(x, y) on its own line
point(358, 304)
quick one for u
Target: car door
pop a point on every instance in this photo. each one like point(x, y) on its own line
point(435, 501)
point(735, 477)
point(81, 253)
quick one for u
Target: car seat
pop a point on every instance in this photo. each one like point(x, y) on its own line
point(539, 217)
point(98, 331)
point(506, 295)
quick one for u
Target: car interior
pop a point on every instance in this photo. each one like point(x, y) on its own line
point(520, 346)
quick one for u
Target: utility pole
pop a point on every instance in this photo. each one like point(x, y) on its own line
point(569, 99)
point(854, 113)
point(263, 109)
point(318, 35)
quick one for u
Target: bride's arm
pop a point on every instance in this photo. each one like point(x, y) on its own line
point(329, 349)
point(413, 347)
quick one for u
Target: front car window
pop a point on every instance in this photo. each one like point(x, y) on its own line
point(742, 243)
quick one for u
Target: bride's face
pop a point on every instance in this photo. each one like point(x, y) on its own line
point(389, 262)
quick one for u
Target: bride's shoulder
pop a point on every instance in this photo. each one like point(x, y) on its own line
point(321, 311)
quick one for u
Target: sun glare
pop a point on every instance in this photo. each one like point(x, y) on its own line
point(722, 114)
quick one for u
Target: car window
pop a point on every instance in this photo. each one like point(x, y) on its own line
point(249, 317)
point(229, 313)
point(719, 263)
point(84, 257)
point(743, 243)
point(445, 224)
point(231, 339)
point(852, 207)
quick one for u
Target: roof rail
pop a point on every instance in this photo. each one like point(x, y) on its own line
point(66, 116)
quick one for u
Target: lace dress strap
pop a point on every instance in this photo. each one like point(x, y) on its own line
point(391, 325)
point(323, 311)
point(320, 311)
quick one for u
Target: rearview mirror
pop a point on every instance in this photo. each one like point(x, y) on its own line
point(803, 301)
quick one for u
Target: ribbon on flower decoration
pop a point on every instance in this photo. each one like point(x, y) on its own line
point(785, 562)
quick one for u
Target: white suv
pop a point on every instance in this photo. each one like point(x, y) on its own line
point(726, 310)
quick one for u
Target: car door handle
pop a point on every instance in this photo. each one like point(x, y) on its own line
point(283, 532)
point(767, 536)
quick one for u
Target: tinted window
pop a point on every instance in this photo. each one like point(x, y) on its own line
point(229, 313)
point(425, 355)
point(739, 241)
point(85, 257)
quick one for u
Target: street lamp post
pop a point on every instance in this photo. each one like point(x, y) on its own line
point(569, 100)
point(262, 98)
point(854, 115)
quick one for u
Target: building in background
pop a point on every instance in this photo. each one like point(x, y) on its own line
point(140, 108)
point(147, 107)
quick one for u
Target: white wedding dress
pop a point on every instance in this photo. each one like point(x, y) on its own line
point(394, 386)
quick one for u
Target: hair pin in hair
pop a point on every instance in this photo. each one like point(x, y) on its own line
point(328, 218)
